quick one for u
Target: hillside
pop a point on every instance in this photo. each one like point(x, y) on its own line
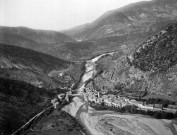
point(146, 75)
point(157, 54)
point(131, 19)
point(79, 51)
point(37, 68)
point(39, 36)
point(84, 50)
point(31, 38)
point(19, 102)
point(29, 80)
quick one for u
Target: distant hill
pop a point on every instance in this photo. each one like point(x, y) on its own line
point(31, 38)
point(84, 50)
point(37, 68)
point(74, 50)
point(39, 36)
point(128, 26)
point(73, 32)
point(47, 42)
point(131, 19)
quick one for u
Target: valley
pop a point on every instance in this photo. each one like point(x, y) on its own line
point(89, 102)
point(100, 122)
point(116, 75)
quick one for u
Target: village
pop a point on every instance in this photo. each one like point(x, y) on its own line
point(119, 102)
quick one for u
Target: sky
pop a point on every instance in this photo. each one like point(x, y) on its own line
point(55, 14)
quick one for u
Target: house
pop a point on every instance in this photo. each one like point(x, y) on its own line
point(158, 106)
point(145, 106)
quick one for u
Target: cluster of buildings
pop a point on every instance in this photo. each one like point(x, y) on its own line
point(119, 102)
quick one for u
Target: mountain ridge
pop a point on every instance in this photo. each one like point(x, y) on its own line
point(38, 40)
point(122, 20)
point(43, 36)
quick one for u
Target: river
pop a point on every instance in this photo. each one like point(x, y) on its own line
point(90, 70)
point(80, 108)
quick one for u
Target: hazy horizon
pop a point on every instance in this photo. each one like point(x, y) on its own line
point(55, 14)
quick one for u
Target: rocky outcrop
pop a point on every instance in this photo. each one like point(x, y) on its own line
point(158, 53)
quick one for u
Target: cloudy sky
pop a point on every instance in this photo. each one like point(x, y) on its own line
point(54, 14)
